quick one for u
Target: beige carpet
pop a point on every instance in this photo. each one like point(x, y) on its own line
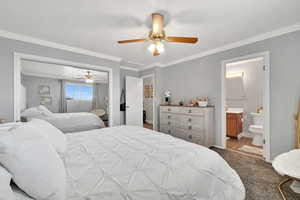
point(259, 178)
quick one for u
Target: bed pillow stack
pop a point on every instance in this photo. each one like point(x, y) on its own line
point(51, 133)
point(33, 162)
point(40, 111)
point(32, 112)
point(44, 110)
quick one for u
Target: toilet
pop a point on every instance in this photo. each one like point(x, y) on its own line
point(257, 129)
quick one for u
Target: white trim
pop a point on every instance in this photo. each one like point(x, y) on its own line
point(154, 120)
point(245, 61)
point(257, 38)
point(265, 55)
point(61, 77)
point(17, 78)
point(129, 68)
point(33, 40)
point(17, 88)
point(152, 65)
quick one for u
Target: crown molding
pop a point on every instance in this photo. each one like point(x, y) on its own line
point(245, 61)
point(130, 68)
point(32, 40)
point(151, 66)
point(257, 38)
point(60, 77)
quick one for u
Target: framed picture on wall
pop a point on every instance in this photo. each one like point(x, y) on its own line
point(46, 100)
point(44, 90)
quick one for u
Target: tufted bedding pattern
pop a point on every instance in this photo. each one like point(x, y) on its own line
point(133, 163)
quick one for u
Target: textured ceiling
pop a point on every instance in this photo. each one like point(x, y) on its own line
point(97, 25)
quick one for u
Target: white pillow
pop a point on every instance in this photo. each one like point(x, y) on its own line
point(31, 112)
point(6, 192)
point(53, 135)
point(44, 110)
point(34, 164)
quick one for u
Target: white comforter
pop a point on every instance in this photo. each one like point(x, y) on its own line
point(74, 122)
point(132, 163)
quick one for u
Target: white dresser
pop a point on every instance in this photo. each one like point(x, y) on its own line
point(194, 124)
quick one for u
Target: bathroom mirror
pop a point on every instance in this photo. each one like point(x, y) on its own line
point(235, 88)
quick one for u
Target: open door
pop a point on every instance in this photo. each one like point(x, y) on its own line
point(134, 101)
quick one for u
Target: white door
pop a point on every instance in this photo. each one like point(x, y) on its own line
point(134, 101)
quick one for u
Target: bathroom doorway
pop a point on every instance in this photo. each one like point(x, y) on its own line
point(245, 105)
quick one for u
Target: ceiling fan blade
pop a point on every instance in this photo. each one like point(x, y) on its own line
point(130, 41)
point(157, 23)
point(182, 39)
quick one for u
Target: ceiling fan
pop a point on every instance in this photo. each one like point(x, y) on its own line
point(157, 35)
point(88, 77)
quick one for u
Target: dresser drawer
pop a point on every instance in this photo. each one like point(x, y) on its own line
point(197, 137)
point(167, 116)
point(169, 119)
point(167, 129)
point(180, 133)
point(190, 122)
point(169, 109)
point(191, 110)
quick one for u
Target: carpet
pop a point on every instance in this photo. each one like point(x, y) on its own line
point(258, 176)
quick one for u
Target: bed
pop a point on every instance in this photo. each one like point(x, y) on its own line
point(133, 163)
point(66, 122)
point(74, 122)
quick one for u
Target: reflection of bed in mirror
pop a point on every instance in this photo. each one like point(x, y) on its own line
point(66, 122)
point(73, 99)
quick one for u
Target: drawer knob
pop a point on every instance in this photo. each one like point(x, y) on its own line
point(190, 111)
point(190, 127)
point(169, 117)
point(169, 123)
point(169, 109)
point(169, 131)
point(190, 137)
point(190, 119)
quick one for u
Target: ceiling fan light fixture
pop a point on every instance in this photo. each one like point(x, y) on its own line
point(88, 80)
point(156, 47)
point(157, 35)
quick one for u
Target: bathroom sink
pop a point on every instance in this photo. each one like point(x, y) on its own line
point(235, 110)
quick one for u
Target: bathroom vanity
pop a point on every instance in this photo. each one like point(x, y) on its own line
point(234, 122)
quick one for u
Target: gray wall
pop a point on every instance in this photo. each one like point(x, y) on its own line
point(32, 84)
point(7, 49)
point(201, 77)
